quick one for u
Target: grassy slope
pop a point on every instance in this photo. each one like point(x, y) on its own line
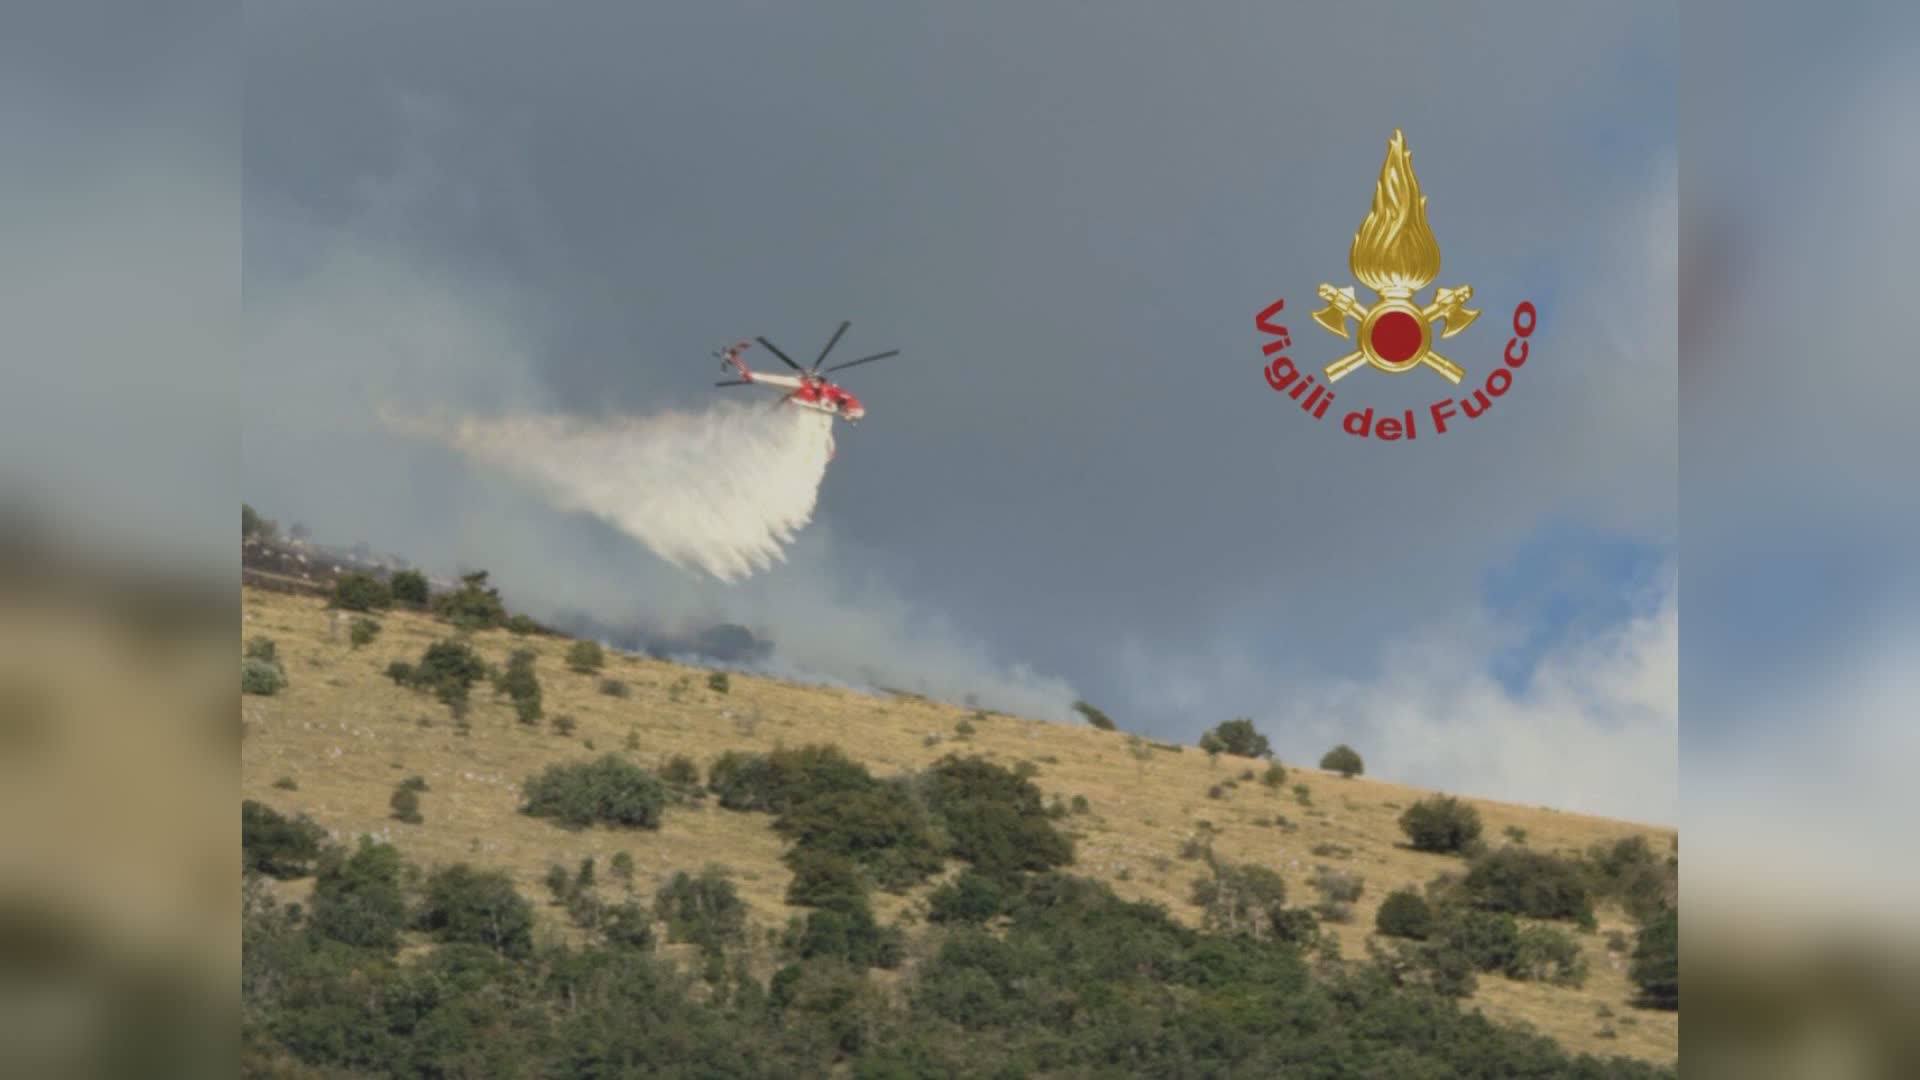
point(346, 735)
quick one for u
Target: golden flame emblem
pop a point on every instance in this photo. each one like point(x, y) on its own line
point(1395, 254)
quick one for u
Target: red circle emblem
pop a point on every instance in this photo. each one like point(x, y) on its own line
point(1396, 337)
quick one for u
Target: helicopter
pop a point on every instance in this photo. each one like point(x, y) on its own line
point(810, 389)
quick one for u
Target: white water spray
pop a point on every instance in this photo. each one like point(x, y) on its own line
point(721, 491)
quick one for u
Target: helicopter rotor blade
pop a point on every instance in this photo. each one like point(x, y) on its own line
point(732, 382)
point(831, 342)
point(784, 358)
point(866, 359)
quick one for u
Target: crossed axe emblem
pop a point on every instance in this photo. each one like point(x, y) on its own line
point(1395, 335)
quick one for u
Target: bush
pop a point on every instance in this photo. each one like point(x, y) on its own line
point(400, 672)
point(357, 899)
point(261, 677)
point(719, 683)
point(1441, 824)
point(406, 805)
point(1236, 737)
point(614, 688)
point(363, 631)
point(705, 911)
point(1547, 954)
point(882, 828)
point(1530, 883)
point(523, 625)
point(1656, 961)
point(680, 771)
point(586, 656)
point(610, 791)
point(972, 897)
point(1245, 899)
point(1274, 777)
point(564, 724)
point(627, 926)
point(781, 780)
point(361, 591)
point(477, 907)
point(1094, 716)
point(994, 818)
point(448, 669)
point(1345, 760)
point(409, 589)
point(848, 932)
point(821, 878)
point(523, 686)
point(474, 604)
point(1404, 913)
point(262, 648)
point(275, 845)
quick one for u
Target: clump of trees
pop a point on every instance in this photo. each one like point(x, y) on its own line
point(447, 669)
point(586, 657)
point(410, 590)
point(1656, 960)
point(522, 686)
point(275, 845)
point(1237, 737)
point(607, 791)
point(361, 591)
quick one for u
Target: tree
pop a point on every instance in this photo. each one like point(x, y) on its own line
point(409, 588)
point(1246, 899)
point(523, 686)
point(363, 631)
point(357, 900)
point(704, 910)
point(477, 907)
point(1236, 737)
point(275, 845)
point(1441, 824)
point(1531, 883)
point(1344, 760)
point(1094, 716)
point(1656, 961)
point(1404, 913)
point(611, 791)
point(473, 604)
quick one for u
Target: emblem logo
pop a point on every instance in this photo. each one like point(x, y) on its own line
point(1395, 254)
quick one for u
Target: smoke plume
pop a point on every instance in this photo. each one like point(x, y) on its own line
point(720, 491)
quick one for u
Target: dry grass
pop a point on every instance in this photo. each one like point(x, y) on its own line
point(346, 735)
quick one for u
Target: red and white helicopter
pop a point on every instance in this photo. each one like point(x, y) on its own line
point(809, 389)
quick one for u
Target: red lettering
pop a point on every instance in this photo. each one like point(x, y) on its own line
point(1263, 321)
point(1512, 360)
point(1503, 377)
point(1275, 376)
point(1365, 418)
point(1389, 428)
point(1440, 412)
point(1469, 407)
point(1525, 308)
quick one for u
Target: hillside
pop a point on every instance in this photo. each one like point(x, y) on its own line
point(334, 743)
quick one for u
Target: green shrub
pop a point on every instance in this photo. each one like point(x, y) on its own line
point(1547, 954)
point(260, 677)
point(963, 729)
point(1094, 716)
point(415, 783)
point(362, 631)
point(400, 672)
point(704, 910)
point(621, 866)
point(628, 926)
point(821, 877)
point(1274, 777)
point(286, 783)
point(357, 899)
point(883, 828)
point(1345, 760)
point(564, 724)
point(1441, 824)
point(614, 688)
point(1530, 883)
point(1243, 900)
point(477, 907)
point(1236, 737)
point(972, 897)
point(1656, 961)
point(474, 604)
point(262, 648)
point(778, 781)
point(409, 589)
point(1405, 913)
point(1081, 805)
point(406, 805)
point(361, 591)
point(719, 683)
point(680, 771)
point(848, 932)
point(523, 686)
point(448, 669)
point(523, 625)
point(586, 656)
point(993, 818)
point(559, 883)
point(276, 845)
point(610, 791)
